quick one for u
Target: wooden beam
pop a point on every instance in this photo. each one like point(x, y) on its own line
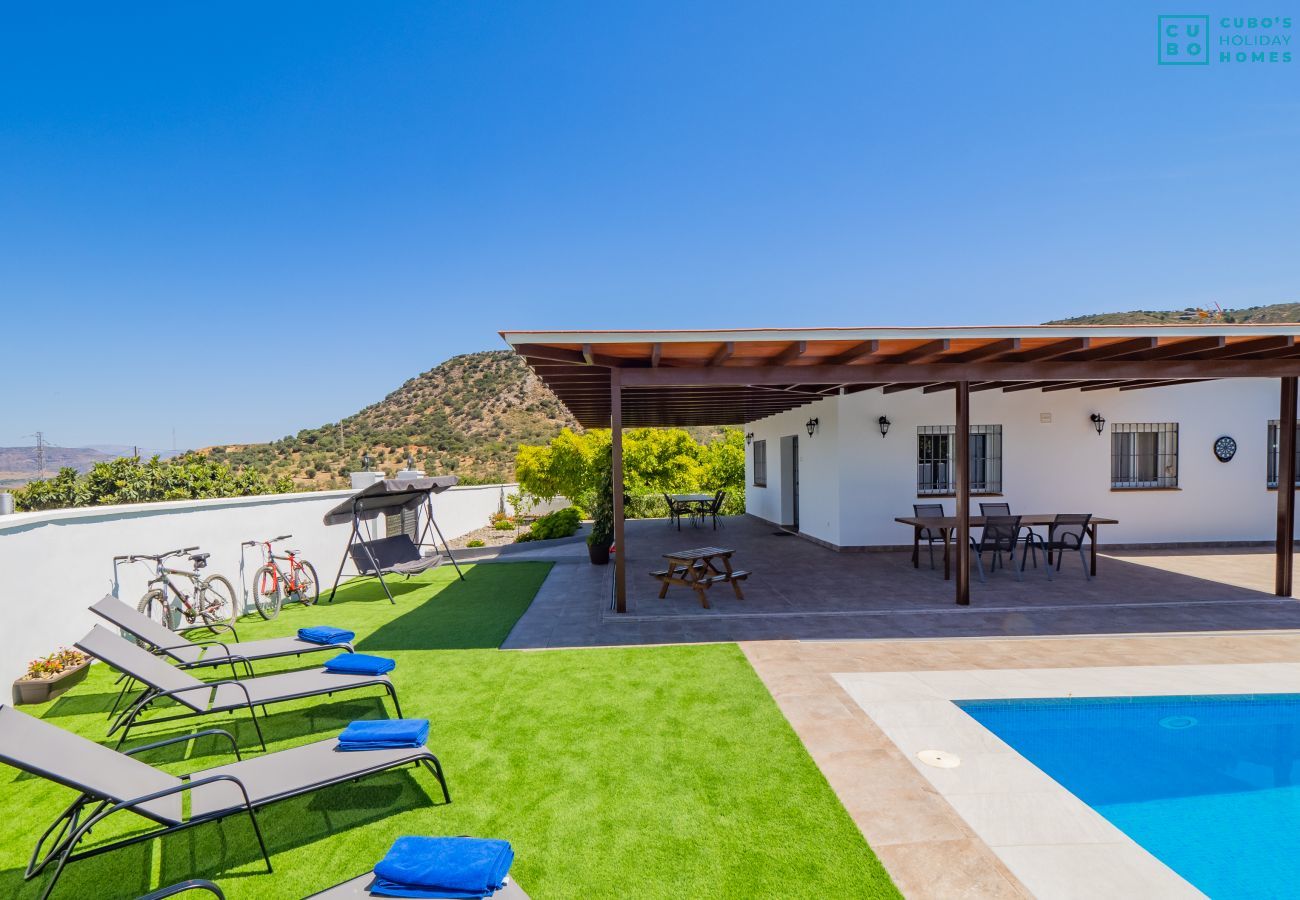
point(853, 354)
point(1143, 385)
point(577, 357)
point(961, 466)
point(1055, 349)
point(933, 373)
point(656, 350)
point(616, 463)
point(790, 353)
point(1119, 348)
point(921, 351)
point(1286, 423)
point(1103, 385)
point(587, 355)
point(1012, 387)
point(993, 348)
point(996, 385)
point(905, 386)
point(723, 354)
point(1272, 344)
point(1177, 349)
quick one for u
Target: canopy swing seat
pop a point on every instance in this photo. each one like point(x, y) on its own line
point(396, 554)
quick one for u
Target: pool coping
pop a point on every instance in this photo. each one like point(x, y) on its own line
point(1052, 842)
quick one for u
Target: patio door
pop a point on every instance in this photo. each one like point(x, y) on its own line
point(790, 481)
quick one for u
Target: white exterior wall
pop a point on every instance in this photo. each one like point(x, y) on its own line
point(853, 482)
point(55, 564)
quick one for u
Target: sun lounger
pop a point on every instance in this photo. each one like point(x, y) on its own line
point(202, 653)
point(110, 781)
point(201, 698)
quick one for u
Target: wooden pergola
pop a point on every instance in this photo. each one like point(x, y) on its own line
point(647, 379)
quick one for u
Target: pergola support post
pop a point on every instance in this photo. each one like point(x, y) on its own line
point(1286, 488)
point(961, 467)
point(616, 464)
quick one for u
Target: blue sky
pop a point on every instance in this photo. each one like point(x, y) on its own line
point(216, 217)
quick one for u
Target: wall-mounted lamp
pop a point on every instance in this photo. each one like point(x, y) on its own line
point(367, 461)
point(884, 424)
point(812, 427)
point(1098, 422)
point(749, 437)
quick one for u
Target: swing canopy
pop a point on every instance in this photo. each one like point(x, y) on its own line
point(389, 496)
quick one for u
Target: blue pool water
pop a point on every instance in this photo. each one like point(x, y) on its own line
point(1209, 785)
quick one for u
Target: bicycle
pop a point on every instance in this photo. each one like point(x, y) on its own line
point(272, 585)
point(213, 597)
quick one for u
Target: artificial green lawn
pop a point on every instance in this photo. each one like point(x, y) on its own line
point(625, 772)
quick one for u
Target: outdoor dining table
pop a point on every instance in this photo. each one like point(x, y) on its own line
point(698, 502)
point(946, 525)
point(698, 569)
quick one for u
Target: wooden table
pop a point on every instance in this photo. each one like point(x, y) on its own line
point(698, 569)
point(945, 525)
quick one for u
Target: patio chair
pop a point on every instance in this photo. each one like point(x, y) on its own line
point(1001, 535)
point(1004, 509)
point(1067, 532)
point(675, 511)
point(929, 535)
point(193, 654)
point(110, 781)
point(202, 698)
point(714, 509)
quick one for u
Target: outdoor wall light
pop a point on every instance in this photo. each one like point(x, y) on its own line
point(1098, 422)
point(884, 424)
point(749, 437)
point(812, 427)
point(366, 462)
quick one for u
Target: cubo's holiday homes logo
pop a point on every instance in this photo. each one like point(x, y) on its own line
point(1226, 40)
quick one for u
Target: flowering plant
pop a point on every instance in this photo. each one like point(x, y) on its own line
point(55, 663)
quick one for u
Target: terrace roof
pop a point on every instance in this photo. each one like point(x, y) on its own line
point(734, 376)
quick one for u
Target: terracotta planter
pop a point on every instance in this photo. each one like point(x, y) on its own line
point(599, 554)
point(39, 690)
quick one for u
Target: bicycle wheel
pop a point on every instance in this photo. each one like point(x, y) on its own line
point(266, 592)
point(307, 589)
point(154, 605)
point(216, 600)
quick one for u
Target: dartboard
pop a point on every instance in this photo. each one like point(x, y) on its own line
point(1225, 448)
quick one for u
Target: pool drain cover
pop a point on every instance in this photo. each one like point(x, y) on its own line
point(1178, 723)
point(940, 759)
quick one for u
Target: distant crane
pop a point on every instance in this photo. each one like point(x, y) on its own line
point(1200, 314)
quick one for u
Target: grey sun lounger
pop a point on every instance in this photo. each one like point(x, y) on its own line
point(359, 889)
point(202, 653)
point(162, 680)
point(109, 781)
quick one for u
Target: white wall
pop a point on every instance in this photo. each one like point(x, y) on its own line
point(853, 482)
point(54, 564)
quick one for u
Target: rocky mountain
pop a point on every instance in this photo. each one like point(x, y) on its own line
point(1277, 312)
point(465, 417)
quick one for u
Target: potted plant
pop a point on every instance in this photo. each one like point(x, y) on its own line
point(50, 676)
point(602, 525)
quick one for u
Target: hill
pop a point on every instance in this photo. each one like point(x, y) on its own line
point(18, 465)
point(465, 417)
point(1277, 312)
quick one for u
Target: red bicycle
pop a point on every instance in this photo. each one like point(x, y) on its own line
point(273, 584)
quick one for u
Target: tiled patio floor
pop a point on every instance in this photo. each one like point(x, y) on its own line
point(799, 590)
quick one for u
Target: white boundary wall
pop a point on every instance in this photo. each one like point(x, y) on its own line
point(853, 482)
point(54, 564)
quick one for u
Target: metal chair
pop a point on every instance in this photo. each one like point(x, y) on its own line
point(675, 511)
point(1067, 532)
point(1001, 535)
point(1004, 509)
point(929, 511)
point(714, 508)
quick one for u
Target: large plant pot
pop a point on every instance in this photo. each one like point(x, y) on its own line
point(599, 554)
point(41, 690)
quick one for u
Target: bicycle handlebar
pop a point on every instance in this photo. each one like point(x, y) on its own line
point(282, 537)
point(158, 557)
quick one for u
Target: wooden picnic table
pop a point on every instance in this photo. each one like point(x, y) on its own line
point(698, 569)
point(945, 525)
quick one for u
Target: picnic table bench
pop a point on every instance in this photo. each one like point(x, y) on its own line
point(698, 569)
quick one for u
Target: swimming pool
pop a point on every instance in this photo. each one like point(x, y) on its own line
point(1210, 785)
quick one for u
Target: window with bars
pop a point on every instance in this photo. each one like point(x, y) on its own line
point(1274, 452)
point(1144, 455)
point(935, 445)
point(760, 463)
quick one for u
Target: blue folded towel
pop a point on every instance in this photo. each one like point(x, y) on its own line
point(324, 634)
point(460, 867)
point(360, 664)
point(384, 734)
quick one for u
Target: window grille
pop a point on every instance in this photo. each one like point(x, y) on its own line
point(935, 445)
point(1144, 455)
point(760, 463)
point(1275, 452)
